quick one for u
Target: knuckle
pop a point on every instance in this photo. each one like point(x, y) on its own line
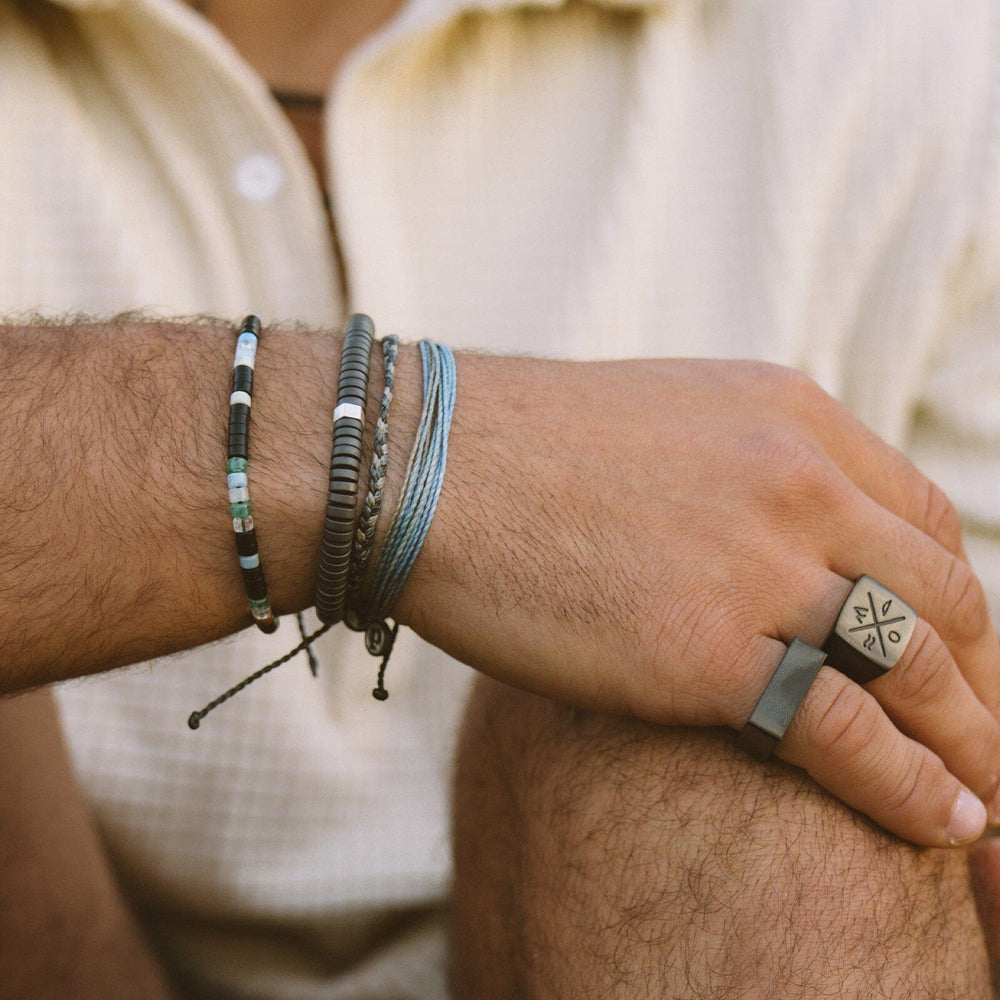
point(800, 476)
point(789, 392)
point(984, 757)
point(917, 774)
point(710, 632)
point(849, 724)
point(938, 516)
point(923, 678)
point(964, 601)
point(794, 390)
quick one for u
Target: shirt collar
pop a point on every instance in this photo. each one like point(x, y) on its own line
point(428, 11)
point(86, 4)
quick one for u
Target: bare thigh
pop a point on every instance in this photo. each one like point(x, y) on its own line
point(65, 929)
point(602, 857)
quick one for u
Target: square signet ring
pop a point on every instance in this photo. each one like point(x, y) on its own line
point(871, 633)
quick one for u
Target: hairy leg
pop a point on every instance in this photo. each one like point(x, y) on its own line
point(985, 857)
point(601, 857)
point(65, 930)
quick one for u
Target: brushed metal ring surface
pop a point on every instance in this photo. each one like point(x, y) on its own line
point(871, 633)
point(785, 692)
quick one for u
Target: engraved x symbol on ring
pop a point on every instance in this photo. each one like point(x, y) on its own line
point(877, 624)
point(872, 631)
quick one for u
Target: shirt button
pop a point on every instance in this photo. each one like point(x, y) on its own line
point(258, 177)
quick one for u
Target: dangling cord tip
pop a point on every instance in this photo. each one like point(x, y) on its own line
point(313, 662)
point(194, 719)
point(379, 640)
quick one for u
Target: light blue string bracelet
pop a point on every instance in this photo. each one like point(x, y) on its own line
point(418, 500)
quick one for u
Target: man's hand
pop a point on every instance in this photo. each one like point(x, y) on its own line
point(644, 537)
point(639, 537)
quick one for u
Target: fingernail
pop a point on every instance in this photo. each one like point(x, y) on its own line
point(968, 818)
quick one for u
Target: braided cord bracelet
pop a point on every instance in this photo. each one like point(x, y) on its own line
point(364, 535)
point(237, 479)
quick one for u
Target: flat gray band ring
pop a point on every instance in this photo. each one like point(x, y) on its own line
point(872, 632)
point(785, 691)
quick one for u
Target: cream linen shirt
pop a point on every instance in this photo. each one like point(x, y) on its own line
point(815, 184)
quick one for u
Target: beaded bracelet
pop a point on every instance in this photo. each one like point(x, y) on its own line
point(345, 469)
point(236, 475)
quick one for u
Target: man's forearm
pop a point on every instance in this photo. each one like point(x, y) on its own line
point(637, 537)
point(117, 545)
